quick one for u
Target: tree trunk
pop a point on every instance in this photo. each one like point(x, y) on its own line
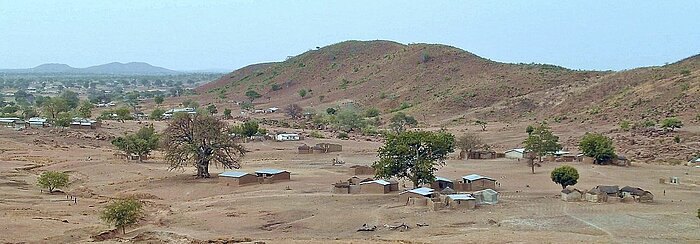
point(533, 166)
point(203, 168)
point(123, 230)
point(140, 159)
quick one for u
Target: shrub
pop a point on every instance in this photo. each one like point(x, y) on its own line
point(625, 125)
point(685, 72)
point(122, 213)
point(276, 87)
point(671, 123)
point(157, 114)
point(677, 139)
point(372, 112)
point(331, 111)
point(52, 180)
point(565, 175)
point(302, 93)
point(316, 134)
point(343, 135)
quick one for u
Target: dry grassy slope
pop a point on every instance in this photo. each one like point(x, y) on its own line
point(444, 83)
point(440, 81)
point(643, 93)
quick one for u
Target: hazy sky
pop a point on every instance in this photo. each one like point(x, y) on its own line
point(193, 35)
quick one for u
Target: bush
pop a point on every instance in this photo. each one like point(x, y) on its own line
point(671, 123)
point(316, 134)
point(302, 93)
point(597, 146)
point(276, 87)
point(677, 139)
point(343, 135)
point(685, 72)
point(331, 111)
point(157, 114)
point(122, 213)
point(625, 125)
point(565, 175)
point(52, 180)
point(372, 112)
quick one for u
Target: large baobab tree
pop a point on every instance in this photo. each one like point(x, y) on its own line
point(200, 139)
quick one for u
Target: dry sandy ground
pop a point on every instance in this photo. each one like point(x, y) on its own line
point(181, 209)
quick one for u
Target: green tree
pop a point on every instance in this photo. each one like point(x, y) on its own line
point(85, 109)
point(122, 213)
point(200, 139)
point(71, 98)
point(252, 95)
point(597, 146)
point(247, 129)
point(123, 113)
point(671, 123)
point(348, 120)
point(63, 119)
point(400, 121)
point(140, 143)
point(53, 106)
point(331, 111)
point(247, 105)
point(159, 100)
point(565, 175)
point(157, 114)
point(541, 142)
point(227, 113)
point(302, 93)
point(413, 155)
point(52, 180)
point(212, 109)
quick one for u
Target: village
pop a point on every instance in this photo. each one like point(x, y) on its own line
point(293, 165)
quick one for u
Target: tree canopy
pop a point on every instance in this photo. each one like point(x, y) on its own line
point(252, 95)
point(52, 180)
point(140, 143)
point(294, 110)
point(541, 141)
point(413, 155)
point(400, 121)
point(597, 146)
point(122, 213)
point(200, 139)
point(468, 142)
point(565, 175)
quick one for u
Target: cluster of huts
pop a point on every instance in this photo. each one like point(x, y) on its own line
point(263, 176)
point(38, 122)
point(604, 193)
point(464, 193)
point(320, 148)
point(564, 156)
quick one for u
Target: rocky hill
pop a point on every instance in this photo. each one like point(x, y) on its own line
point(443, 83)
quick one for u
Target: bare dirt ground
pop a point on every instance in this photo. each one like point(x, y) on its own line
point(181, 209)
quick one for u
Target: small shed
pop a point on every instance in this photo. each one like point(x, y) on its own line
point(37, 122)
point(482, 154)
point(516, 153)
point(487, 196)
point(271, 175)
point(422, 192)
point(375, 187)
point(441, 183)
point(238, 178)
point(571, 195)
point(287, 137)
point(460, 201)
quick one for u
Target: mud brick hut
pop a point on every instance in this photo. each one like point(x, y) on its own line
point(638, 194)
point(327, 148)
point(441, 183)
point(272, 175)
point(377, 187)
point(571, 195)
point(361, 170)
point(460, 201)
point(418, 193)
point(475, 182)
point(238, 178)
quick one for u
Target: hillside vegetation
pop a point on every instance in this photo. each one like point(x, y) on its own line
point(443, 83)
